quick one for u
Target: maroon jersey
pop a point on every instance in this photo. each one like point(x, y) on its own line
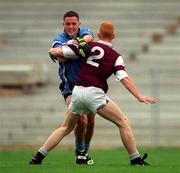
point(98, 67)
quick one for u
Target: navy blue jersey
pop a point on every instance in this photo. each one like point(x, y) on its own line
point(69, 70)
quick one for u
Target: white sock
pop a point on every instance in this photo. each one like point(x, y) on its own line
point(134, 155)
point(43, 151)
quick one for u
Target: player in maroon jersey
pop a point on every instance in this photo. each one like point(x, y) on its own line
point(89, 93)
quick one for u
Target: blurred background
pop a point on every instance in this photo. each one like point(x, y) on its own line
point(147, 36)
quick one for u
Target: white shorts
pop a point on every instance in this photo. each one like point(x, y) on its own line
point(87, 99)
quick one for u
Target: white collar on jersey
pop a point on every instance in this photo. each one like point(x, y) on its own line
point(106, 43)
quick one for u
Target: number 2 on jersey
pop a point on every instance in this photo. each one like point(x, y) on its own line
point(94, 57)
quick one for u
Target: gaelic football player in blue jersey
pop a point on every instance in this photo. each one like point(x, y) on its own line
point(68, 71)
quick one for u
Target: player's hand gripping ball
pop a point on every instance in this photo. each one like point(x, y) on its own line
point(83, 47)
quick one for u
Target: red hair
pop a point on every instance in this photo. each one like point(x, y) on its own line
point(107, 30)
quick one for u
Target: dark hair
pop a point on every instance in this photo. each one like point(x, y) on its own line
point(71, 14)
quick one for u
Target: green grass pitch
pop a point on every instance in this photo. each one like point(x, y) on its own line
point(162, 160)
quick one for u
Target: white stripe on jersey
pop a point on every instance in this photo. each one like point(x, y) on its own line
point(68, 52)
point(62, 44)
point(119, 61)
point(120, 74)
point(56, 42)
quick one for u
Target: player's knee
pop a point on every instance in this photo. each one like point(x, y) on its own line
point(124, 122)
point(66, 129)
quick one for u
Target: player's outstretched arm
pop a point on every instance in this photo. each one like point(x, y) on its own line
point(129, 84)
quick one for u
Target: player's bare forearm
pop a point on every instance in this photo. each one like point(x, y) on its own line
point(129, 84)
point(57, 52)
